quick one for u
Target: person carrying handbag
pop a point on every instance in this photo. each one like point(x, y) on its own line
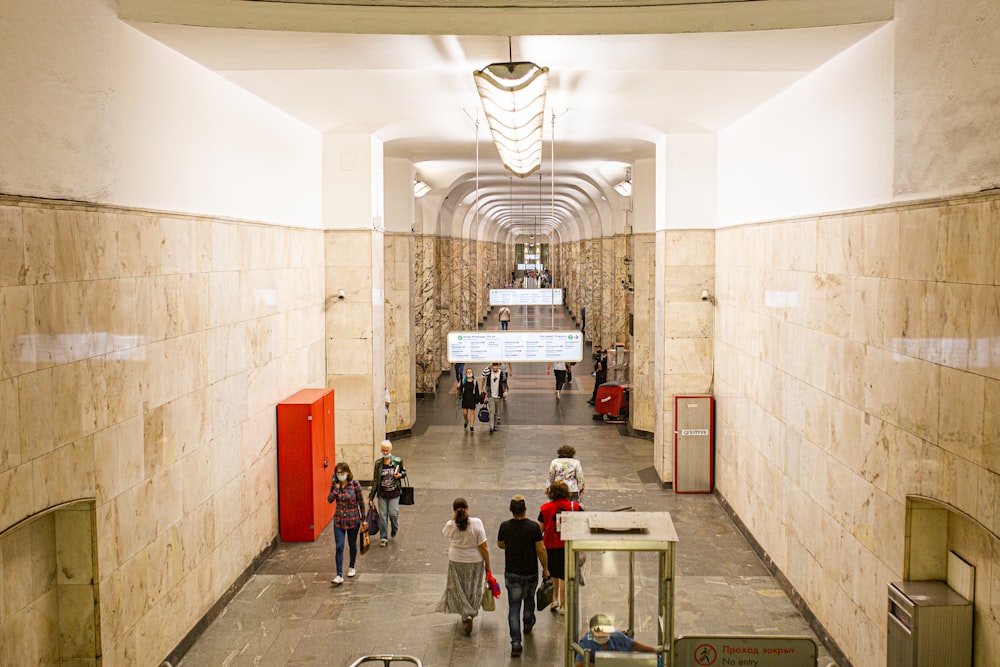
point(348, 517)
point(386, 484)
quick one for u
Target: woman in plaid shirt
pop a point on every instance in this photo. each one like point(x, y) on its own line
point(348, 518)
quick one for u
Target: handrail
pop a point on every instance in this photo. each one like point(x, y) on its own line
point(387, 660)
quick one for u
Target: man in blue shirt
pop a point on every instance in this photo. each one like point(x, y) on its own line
point(604, 637)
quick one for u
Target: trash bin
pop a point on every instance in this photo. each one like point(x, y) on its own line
point(930, 625)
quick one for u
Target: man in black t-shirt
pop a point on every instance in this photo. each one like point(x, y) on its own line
point(521, 541)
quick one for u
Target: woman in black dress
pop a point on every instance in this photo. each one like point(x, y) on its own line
point(469, 391)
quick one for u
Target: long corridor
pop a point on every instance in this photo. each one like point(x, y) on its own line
point(289, 612)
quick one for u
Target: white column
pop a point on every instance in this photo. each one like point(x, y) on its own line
point(400, 291)
point(685, 265)
point(353, 195)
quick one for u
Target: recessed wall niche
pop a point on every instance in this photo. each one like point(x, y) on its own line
point(49, 611)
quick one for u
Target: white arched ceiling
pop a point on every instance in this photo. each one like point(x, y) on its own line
point(621, 81)
point(504, 208)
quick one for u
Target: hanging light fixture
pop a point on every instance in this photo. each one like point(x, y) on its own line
point(513, 96)
point(625, 187)
point(420, 188)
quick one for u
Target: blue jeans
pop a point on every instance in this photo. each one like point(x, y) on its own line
point(520, 588)
point(388, 510)
point(352, 541)
point(504, 324)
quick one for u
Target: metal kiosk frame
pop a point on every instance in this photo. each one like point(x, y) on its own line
point(627, 532)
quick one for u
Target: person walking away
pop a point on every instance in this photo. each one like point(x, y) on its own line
point(600, 371)
point(468, 552)
point(495, 387)
point(348, 517)
point(469, 393)
point(559, 368)
point(504, 317)
point(567, 468)
point(521, 541)
point(555, 548)
point(389, 471)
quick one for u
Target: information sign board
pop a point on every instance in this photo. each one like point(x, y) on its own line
point(748, 651)
point(526, 297)
point(514, 346)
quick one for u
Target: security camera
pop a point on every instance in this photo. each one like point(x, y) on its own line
point(341, 295)
point(704, 295)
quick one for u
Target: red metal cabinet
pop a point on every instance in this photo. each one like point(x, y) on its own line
point(306, 456)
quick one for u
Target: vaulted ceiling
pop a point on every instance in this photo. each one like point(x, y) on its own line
point(622, 77)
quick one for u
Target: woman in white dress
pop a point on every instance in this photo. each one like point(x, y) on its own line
point(468, 553)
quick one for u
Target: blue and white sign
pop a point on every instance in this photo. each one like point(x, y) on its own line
point(526, 297)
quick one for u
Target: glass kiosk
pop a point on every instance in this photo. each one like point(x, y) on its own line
point(619, 571)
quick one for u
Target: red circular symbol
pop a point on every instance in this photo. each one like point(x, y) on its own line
point(704, 655)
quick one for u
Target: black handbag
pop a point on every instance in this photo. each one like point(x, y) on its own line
point(372, 518)
point(543, 596)
point(406, 493)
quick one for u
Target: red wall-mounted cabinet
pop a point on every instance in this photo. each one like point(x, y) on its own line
point(306, 457)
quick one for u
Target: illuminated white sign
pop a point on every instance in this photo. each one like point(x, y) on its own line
point(505, 346)
point(526, 297)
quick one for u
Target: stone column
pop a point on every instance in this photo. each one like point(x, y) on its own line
point(685, 265)
point(355, 318)
point(400, 277)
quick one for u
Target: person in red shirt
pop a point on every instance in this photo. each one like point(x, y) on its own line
point(548, 519)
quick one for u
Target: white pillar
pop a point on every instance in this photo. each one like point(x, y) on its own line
point(353, 195)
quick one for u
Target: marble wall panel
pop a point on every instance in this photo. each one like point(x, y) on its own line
point(684, 328)
point(400, 334)
point(623, 275)
point(593, 290)
point(605, 264)
point(642, 403)
point(155, 341)
point(886, 322)
point(426, 359)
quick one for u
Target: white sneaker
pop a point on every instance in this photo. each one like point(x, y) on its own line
point(338, 579)
point(351, 572)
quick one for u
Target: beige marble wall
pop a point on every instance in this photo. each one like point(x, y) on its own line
point(621, 299)
point(48, 613)
point(684, 324)
point(857, 362)
point(593, 289)
point(425, 319)
point(141, 358)
point(609, 288)
point(448, 314)
point(400, 332)
point(642, 397)
point(356, 342)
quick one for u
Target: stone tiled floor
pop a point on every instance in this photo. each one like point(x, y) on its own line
point(289, 614)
